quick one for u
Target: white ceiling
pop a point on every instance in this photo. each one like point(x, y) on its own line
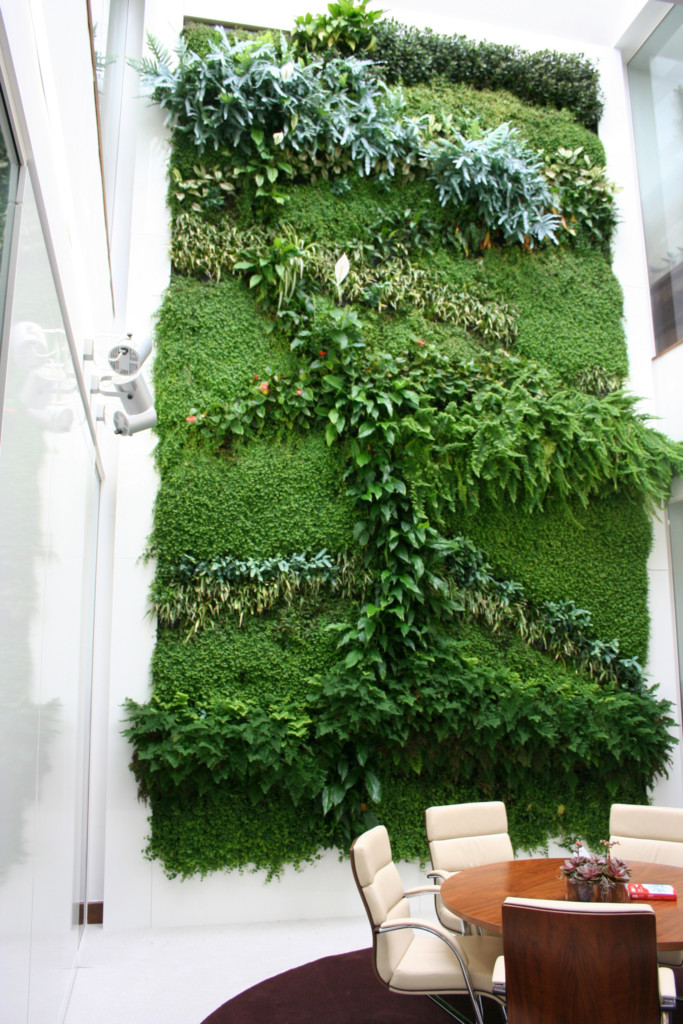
point(576, 23)
point(597, 22)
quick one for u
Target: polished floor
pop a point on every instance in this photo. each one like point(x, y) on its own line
point(180, 975)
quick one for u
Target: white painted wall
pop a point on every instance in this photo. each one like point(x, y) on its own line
point(580, 25)
point(630, 266)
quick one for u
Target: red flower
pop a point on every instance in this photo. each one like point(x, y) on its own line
point(255, 377)
point(264, 387)
point(299, 391)
point(421, 341)
point(191, 419)
point(322, 352)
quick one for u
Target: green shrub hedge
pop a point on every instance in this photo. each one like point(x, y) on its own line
point(544, 78)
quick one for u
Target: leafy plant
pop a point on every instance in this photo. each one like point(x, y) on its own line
point(596, 380)
point(208, 190)
point(558, 627)
point(405, 422)
point(496, 187)
point(395, 284)
point(348, 27)
point(321, 753)
point(400, 233)
point(277, 263)
point(270, 115)
point(268, 715)
point(601, 870)
point(584, 195)
point(277, 271)
point(180, 746)
point(196, 592)
point(498, 426)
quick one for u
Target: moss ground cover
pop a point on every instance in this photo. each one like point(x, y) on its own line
point(597, 555)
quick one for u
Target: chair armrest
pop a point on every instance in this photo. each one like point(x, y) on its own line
point(667, 988)
point(422, 890)
point(440, 874)
point(432, 927)
point(498, 977)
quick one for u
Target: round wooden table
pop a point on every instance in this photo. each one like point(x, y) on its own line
point(477, 894)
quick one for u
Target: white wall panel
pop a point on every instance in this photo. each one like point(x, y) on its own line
point(141, 214)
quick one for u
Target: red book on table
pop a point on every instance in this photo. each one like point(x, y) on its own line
point(649, 891)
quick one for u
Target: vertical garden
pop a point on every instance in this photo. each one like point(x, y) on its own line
point(404, 510)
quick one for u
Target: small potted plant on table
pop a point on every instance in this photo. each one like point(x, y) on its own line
point(592, 877)
point(581, 874)
point(615, 874)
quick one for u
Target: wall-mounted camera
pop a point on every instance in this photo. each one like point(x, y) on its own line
point(124, 360)
point(138, 409)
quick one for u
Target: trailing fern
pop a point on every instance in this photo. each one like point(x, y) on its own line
point(498, 426)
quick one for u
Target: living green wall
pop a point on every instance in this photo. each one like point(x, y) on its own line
point(298, 706)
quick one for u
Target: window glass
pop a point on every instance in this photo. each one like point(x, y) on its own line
point(99, 20)
point(9, 179)
point(676, 542)
point(656, 86)
point(49, 492)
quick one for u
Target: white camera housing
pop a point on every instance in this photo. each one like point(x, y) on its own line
point(138, 409)
point(125, 359)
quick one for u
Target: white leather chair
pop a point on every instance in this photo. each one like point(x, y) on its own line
point(569, 963)
point(464, 836)
point(649, 833)
point(414, 956)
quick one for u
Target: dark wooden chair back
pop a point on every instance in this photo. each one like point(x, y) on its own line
point(569, 963)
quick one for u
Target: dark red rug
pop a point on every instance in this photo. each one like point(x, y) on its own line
point(344, 990)
point(336, 990)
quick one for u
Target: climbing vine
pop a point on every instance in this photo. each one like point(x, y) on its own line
point(414, 448)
